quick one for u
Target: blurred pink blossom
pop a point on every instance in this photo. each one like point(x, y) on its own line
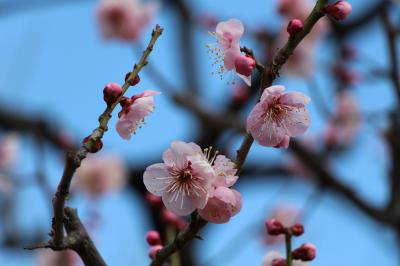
point(124, 19)
point(6, 186)
point(278, 115)
point(9, 150)
point(345, 122)
point(133, 114)
point(99, 174)
point(47, 257)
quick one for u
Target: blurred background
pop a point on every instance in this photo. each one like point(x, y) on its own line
point(341, 179)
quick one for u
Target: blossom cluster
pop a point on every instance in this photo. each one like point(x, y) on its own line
point(190, 179)
point(227, 51)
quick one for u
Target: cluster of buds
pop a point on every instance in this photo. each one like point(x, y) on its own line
point(306, 252)
point(154, 240)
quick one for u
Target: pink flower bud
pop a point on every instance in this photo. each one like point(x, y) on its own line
point(305, 252)
point(153, 251)
point(92, 146)
point(297, 229)
point(278, 262)
point(153, 238)
point(339, 10)
point(112, 92)
point(274, 227)
point(132, 81)
point(153, 200)
point(294, 27)
point(244, 65)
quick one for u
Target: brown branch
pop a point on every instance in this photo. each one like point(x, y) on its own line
point(74, 159)
point(77, 239)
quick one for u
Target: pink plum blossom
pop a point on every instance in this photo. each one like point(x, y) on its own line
point(133, 114)
point(124, 19)
point(228, 34)
point(277, 116)
point(9, 150)
point(345, 122)
point(191, 179)
point(273, 256)
point(183, 180)
point(99, 174)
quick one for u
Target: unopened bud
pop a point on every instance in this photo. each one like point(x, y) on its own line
point(244, 65)
point(274, 227)
point(305, 252)
point(92, 145)
point(153, 238)
point(339, 10)
point(294, 27)
point(296, 229)
point(112, 91)
point(132, 81)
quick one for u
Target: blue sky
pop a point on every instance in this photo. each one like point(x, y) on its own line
point(54, 63)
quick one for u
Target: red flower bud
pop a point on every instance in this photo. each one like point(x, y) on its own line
point(339, 10)
point(294, 27)
point(296, 229)
point(244, 65)
point(153, 251)
point(132, 81)
point(305, 252)
point(153, 238)
point(112, 92)
point(274, 227)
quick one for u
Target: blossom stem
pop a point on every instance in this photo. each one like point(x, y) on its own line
point(74, 158)
point(288, 243)
point(175, 258)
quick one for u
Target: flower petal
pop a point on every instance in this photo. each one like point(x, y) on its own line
point(296, 99)
point(156, 178)
point(296, 121)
